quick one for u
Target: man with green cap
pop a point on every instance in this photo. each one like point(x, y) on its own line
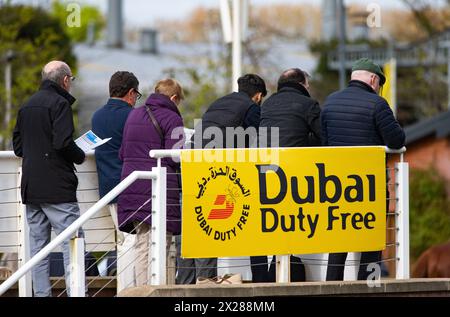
point(358, 116)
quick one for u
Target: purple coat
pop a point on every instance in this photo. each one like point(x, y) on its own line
point(139, 137)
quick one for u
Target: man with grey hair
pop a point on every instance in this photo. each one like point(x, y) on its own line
point(358, 116)
point(43, 138)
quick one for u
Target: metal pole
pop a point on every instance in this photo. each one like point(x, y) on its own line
point(158, 247)
point(283, 268)
point(402, 220)
point(8, 79)
point(225, 18)
point(237, 45)
point(115, 24)
point(77, 274)
point(25, 289)
point(342, 18)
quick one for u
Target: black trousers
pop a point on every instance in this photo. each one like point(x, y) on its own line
point(336, 261)
point(336, 265)
point(262, 274)
point(260, 269)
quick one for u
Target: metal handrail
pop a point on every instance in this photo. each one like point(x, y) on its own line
point(69, 231)
point(158, 154)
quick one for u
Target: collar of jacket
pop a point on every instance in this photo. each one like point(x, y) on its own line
point(51, 85)
point(297, 86)
point(361, 84)
point(118, 103)
point(161, 101)
point(243, 96)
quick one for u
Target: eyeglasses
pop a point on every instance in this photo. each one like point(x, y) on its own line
point(72, 78)
point(138, 94)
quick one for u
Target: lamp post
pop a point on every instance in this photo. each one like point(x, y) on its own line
point(8, 58)
point(341, 48)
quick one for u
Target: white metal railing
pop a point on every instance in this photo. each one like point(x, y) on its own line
point(401, 220)
point(158, 267)
point(77, 280)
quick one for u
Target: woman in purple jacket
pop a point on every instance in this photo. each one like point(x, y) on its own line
point(142, 134)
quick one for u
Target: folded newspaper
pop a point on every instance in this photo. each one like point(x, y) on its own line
point(90, 141)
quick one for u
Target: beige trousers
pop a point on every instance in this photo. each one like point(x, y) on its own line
point(126, 256)
point(142, 248)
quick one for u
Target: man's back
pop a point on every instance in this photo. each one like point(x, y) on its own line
point(227, 111)
point(357, 116)
point(36, 121)
point(295, 114)
point(43, 137)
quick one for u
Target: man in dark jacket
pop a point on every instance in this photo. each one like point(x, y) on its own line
point(358, 116)
point(292, 111)
point(43, 138)
point(296, 116)
point(108, 122)
point(236, 110)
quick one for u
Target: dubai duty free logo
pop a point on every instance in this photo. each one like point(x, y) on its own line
point(222, 206)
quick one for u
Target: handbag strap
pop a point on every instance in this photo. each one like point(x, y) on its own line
point(155, 124)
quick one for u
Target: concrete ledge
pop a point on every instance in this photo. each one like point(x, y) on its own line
point(388, 287)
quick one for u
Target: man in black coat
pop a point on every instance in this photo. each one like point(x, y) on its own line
point(296, 116)
point(43, 138)
point(292, 111)
point(236, 110)
point(358, 116)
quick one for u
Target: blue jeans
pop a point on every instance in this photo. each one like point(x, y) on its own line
point(41, 219)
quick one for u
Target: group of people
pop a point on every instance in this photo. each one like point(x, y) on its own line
point(43, 137)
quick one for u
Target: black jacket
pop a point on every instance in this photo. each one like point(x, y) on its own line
point(296, 115)
point(234, 110)
point(43, 138)
point(357, 116)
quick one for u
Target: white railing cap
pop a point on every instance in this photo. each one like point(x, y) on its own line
point(176, 152)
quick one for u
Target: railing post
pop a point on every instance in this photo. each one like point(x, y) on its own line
point(402, 220)
point(77, 275)
point(25, 283)
point(283, 268)
point(158, 235)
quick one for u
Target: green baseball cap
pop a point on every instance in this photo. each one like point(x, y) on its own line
point(370, 66)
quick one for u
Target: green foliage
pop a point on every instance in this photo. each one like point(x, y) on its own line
point(429, 211)
point(324, 81)
point(88, 14)
point(421, 91)
point(36, 38)
point(200, 91)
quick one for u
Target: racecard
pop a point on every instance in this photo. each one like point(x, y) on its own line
point(302, 200)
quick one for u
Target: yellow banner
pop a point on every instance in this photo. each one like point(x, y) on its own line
point(305, 200)
point(389, 89)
